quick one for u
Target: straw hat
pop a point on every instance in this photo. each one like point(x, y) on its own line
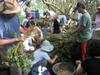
point(47, 46)
point(11, 6)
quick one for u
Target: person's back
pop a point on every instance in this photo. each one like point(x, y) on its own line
point(92, 66)
point(62, 19)
point(41, 57)
point(92, 63)
point(56, 26)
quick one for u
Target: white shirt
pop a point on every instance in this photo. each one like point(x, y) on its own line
point(78, 15)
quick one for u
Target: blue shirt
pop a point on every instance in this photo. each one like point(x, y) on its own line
point(8, 26)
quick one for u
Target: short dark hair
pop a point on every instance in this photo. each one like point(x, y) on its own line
point(79, 4)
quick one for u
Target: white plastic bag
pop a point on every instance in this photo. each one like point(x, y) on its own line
point(27, 44)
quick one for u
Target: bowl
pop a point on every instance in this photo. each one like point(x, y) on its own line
point(63, 68)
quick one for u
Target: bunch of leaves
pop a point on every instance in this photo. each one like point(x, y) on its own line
point(63, 44)
point(16, 56)
point(91, 6)
point(43, 23)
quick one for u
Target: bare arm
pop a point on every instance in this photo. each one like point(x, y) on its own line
point(79, 29)
point(8, 41)
point(51, 61)
point(79, 70)
point(74, 19)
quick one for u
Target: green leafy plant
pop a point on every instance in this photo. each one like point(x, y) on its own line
point(63, 44)
point(16, 56)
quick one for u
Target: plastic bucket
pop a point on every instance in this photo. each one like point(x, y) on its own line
point(36, 14)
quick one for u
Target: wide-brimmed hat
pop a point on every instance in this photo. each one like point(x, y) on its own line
point(47, 46)
point(11, 6)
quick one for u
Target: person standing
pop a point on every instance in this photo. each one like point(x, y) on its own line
point(92, 64)
point(56, 26)
point(83, 30)
point(9, 27)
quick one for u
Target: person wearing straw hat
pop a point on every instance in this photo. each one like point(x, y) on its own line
point(41, 57)
point(9, 26)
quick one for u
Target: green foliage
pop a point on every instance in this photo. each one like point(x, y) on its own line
point(16, 56)
point(91, 6)
point(40, 6)
point(62, 45)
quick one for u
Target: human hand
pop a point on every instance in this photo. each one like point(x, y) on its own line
point(32, 48)
point(29, 49)
point(72, 33)
point(78, 62)
point(21, 37)
point(54, 59)
point(56, 56)
point(72, 18)
point(79, 70)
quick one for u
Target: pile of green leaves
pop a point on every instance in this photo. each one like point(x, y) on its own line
point(16, 56)
point(63, 44)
